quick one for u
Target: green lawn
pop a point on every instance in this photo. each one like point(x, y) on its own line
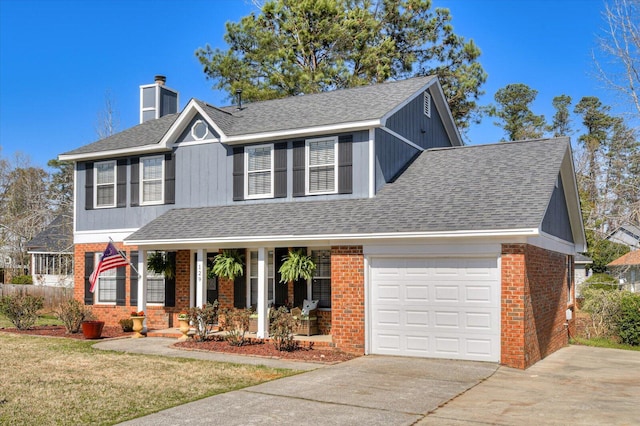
point(601, 342)
point(46, 319)
point(67, 382)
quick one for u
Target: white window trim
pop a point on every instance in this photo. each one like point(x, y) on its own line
point(334, 139)
point(96, 294)
point(95, 185)
point(193, 130)
point(246, 172)
point(310, 281)
point(141, 180)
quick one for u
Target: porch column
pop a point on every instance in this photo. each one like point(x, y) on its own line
point(142, 283)
point(263, 294)
point(201, 281)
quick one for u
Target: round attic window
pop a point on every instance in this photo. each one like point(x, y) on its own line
point(199, 130)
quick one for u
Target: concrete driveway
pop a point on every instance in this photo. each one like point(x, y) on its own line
point(577, 385)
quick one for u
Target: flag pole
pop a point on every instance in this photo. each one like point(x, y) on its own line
point(125, 257)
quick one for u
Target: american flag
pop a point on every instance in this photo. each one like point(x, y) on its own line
point(111, 258)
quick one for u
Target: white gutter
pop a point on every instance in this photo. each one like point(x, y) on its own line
point(524, 232)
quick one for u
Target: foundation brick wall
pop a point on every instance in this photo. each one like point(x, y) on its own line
point(533, 301)
point(347, 298)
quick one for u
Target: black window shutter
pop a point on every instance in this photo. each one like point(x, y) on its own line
point(135, 182)
point(121, 187)
point(170, 283)
point(240, 292)
point(133, 279)
point(298, 169)
point(121, 282)
point(345, 164)
point(238, 174)
point(169, 178)
point(88, 186)
point(88, 269)
point(280, 169)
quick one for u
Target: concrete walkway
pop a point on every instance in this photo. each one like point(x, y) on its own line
point(577, 385)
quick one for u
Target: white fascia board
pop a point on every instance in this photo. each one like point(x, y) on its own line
point(553, 243)
point(145, 149)
point(572, 196)
point(306, 131)
point(188, 113)
point(101, 236)
point(525, 232)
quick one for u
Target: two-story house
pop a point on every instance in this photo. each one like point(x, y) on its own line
point(424, 247)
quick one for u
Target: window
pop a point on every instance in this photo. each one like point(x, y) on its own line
point(156, 282)
point(107, 282)
point(427, 104)
point(105, 187)
point(259, 171)
point(151, 175)
point(253, 276)
point(199, 130)
point(322, 167)
point(321, 282)
point(52, 264)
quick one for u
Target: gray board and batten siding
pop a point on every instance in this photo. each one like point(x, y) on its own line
point(204, 177)
point(392, 154)
point(556, 219)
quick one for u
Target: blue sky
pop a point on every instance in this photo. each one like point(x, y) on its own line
point(59, 57)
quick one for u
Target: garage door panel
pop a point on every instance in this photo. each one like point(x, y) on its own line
point(446, 308)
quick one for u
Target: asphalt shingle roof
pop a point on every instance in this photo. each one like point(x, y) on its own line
point(296, 112)
point(147, 133)
point(57, 237)
point(483, 187)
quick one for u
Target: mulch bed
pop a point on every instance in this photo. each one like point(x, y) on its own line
point(255, 347)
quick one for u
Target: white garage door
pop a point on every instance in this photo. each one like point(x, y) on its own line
point(436, 308)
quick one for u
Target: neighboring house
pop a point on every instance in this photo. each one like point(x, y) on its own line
point(582, 270)
point(627, 234)
point(51, 253)
point(627, 269)
point(424, 247)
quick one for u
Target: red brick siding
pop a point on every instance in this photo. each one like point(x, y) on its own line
point(347, 298)
point(534, 301)
point(158, 317)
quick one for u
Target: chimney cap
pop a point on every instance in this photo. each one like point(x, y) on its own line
point(160, 79)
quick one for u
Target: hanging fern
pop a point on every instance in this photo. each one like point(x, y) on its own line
point(229, 264)
point(160, 263)
point(297, 264)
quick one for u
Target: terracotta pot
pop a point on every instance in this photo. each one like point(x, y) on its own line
point(137, 327)
point(92, 329)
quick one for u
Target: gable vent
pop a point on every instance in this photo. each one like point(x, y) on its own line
point(427, 104)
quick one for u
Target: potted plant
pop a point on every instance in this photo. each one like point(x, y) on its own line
point(183, 319)
point(229, 264)
point(91, 328)
point(295, 265)
point(138, 320)
point(160, 263)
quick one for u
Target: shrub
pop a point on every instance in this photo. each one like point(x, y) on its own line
point(629, 319)
point(22, 279)
point(72, 312)
point(126, 324)
point(281, 327)
point(203, 319)
point(21, 309)
point(604, 308)
point(601, 281)
point(236, 325)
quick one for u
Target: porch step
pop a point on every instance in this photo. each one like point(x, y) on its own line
point(320, 341)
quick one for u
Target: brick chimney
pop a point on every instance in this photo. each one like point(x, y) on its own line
point(157, 100)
